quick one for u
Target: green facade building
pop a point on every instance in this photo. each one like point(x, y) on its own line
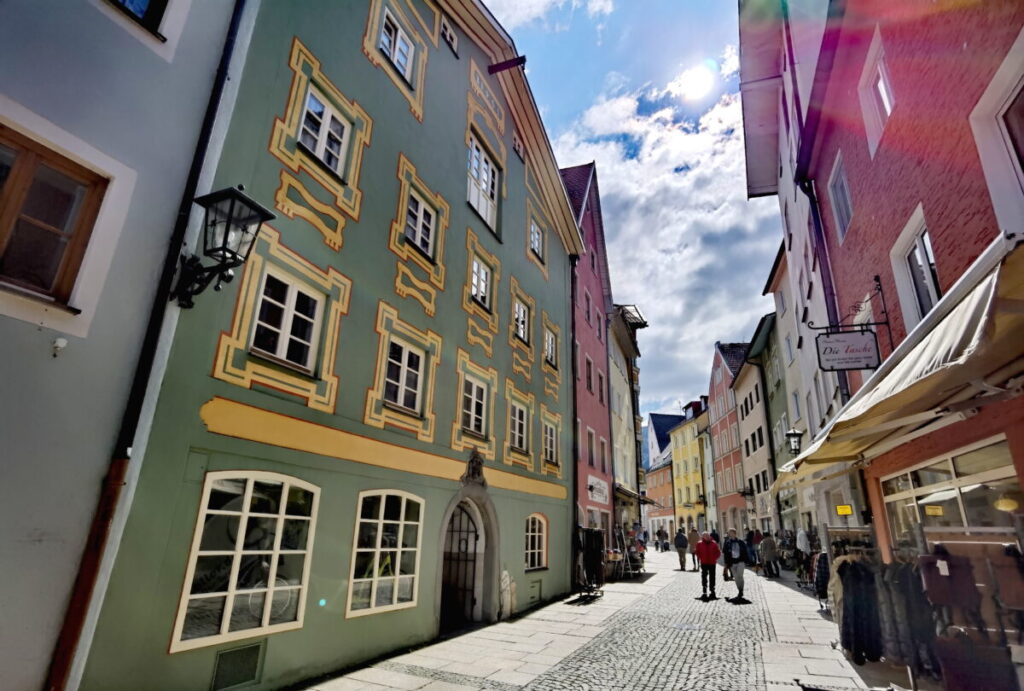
point(366, 438)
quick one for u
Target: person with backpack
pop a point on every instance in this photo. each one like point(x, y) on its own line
point(707, 553)
point(737, 557)
point(681, 543)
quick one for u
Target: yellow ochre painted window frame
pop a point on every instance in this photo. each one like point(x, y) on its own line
point(410, 182)
point(555, 420)
point(233, 362)
point(512, 456)
point(420, 32)
point(461, 440)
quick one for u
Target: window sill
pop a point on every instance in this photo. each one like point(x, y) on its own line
point(134, 18)
point(539, 257)
point(38, 298)
point(319, 162)
point(267, 357)
point(516, 449)
point(398, 70)
point(537, 568)
point(480, 304)
point(522, 340)
point(422, 252)
point(550, 365)
point(409, 412)
point(475, 435)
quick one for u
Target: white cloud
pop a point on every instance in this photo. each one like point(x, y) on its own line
point(729, 63)
point(515, 13)
point(684, 244)
point(596, 7)
point(692, 84)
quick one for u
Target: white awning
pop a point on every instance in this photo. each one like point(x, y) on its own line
point(967, 353)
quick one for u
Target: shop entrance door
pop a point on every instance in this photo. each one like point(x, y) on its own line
point(459, 571)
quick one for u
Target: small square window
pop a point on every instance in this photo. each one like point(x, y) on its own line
point(395, 44)
point(517, 146)
point(288, 321)
point(324, 133)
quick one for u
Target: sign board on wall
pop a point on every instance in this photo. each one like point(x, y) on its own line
point(933, 510)
point(597, 489)
point(848, 350)
point(844, 509)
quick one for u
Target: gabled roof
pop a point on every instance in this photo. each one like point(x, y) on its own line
point(734, 354)
point(661, 424)
point(577, 182)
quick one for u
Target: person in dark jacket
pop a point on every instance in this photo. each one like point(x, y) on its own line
point(707, 553)
point(737, 556)
point(681, 543)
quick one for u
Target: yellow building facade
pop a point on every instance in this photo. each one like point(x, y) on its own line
point(687, 462)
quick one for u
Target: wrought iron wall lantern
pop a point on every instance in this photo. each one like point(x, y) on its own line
point(231, 223)
point(793, 438)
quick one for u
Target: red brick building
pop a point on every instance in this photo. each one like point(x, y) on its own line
point(725, 435)
point(900, 132)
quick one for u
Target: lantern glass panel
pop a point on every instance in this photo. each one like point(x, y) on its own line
point(218, 224)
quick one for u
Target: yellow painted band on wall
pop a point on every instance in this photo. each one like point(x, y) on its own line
point(233, 419)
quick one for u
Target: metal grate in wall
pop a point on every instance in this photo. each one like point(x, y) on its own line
point(237, 667)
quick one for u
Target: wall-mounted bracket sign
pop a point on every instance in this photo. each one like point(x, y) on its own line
point(844, 509)
point(933, 510)
point(847, 350)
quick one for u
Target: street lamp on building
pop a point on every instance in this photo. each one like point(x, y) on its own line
point(793, 437)
point(231, 222)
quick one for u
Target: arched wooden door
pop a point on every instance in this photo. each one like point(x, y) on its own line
point(459, 571)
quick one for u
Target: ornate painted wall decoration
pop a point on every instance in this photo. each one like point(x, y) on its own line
point(420, 31)
point(295, 201)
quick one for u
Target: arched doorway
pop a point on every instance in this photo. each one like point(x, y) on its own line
point(462, 568)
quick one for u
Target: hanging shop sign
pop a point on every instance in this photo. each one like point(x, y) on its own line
point(844, 509)
point(847, 350)
point(597, 489)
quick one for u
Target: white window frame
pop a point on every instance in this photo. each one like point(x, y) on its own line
point(300, 590)
point(521, 316)
point(319, 149)
point(905, 289)
point(519, 427)
point(789, 349)
point(480, 287)
point(591, 448)
point(876, 104)
point(536, 556)
point(795, 400)
point(604, 454)
point(392, 53)
point(550, 444)
point(588, 375)
point(288, 308)
point(404, 370)
point(172, 24)
point(476, 396)
point(483, 177)
point(840, 198)
point(1003, 172)
point(376, 578)
point(415, 225)
point(550, 347)
point(536, 240)
point(449, 35)
point(587, 304)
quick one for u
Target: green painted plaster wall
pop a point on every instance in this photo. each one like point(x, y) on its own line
point(136, 623)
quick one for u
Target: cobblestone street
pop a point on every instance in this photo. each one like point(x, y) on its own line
point(653, 634)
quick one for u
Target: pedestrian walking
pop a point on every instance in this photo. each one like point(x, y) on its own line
point(694, 538)
point(681, 543)
point(708, 553)
point(662, 538)
point(770, 556)
point(737, 556)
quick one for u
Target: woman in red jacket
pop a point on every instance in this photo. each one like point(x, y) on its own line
point(707, 553)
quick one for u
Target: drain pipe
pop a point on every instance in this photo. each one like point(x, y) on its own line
point(99, 530)
point(576, 536)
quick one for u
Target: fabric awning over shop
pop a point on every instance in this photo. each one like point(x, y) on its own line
point(968, 352)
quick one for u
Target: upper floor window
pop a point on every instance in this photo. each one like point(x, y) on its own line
point(875, 92)
point(550, 347)
point(550, 444)
point(839, 193)
point(419, 224)
point(590, 374)
point(397, 46)
point(536, 542)
point(480, 282)
point(288, 321)
point(536, 240)
point(600, 388)
point(921, 264)
point(148, 13)
point(324, 132)
point(449, 35)
point(521, 314)
point(249, 566)
point(385, 561)
point(591, 444)
point(48, 205)
point(403, 380)
point(482, 192)
point(587, 306)
point(474, 406)
point(518, 426)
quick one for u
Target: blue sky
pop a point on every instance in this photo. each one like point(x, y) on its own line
point(649, 90)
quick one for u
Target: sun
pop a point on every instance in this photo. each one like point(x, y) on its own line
point(693, 84)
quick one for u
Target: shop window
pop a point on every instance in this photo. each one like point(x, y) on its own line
point(48, 205)
point(386, 552)
point(536, 542)
point(249, 565)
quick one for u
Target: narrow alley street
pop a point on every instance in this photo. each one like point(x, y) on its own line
point(654, 634)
